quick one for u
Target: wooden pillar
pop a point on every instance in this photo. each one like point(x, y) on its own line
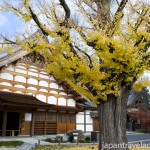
point(4, 123)
point(67, 117)
point(32, 123)
point(45, 123)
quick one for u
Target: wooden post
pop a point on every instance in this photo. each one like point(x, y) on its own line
point(32, 123)
point(45, 124)
point(4, 123)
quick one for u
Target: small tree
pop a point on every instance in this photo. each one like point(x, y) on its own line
point(100, 56)
point(140, 101)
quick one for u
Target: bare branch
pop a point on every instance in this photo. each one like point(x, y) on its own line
point(89, 58)
point(66, 9)
point(118, 15)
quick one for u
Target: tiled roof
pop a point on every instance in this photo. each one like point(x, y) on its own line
point(22, 99)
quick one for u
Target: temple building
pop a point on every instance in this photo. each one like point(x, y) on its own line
point(33, 102)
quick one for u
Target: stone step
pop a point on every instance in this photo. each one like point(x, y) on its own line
point(26, 146)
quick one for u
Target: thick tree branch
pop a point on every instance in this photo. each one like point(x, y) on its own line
point(39, 24)
point(66, 9)
point(89, 58)
point(118, 15)
point(140, 19)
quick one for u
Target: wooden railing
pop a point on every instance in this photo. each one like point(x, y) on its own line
point(11, 132)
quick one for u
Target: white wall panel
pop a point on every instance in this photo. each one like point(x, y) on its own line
point(33, 74)
point(62, 93)
point(52, 78)
point(43, 90)
point(80, 127)
point(5, 90)
point(5, 83)
point(62, 101)
point(43, 83)
point(31, 69)
point(41, 97)
point(87, 111)
point(28, 116)
point(54, 92)
point(10, 68)
point(89, 128)
point(19, 86)
point(44, 76)
point(79, 118)
point(33, 66)
point(32, 81)
point(23, 67)
point(80, 113)
point(7, 76)
point(89, 119)
point(52, 100)
point(71, 102)
point(29, 93)
point(18, 92)
point(32, 88)
point(43, 72)
point(53, 85)
point(21, 71)
point(61, 88)
point(20, 79)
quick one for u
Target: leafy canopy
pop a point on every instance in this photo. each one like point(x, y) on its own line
point(95, 53)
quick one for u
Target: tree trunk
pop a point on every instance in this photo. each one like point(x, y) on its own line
point(112, 122)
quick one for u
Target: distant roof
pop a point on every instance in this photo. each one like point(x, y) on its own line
point(87, 105)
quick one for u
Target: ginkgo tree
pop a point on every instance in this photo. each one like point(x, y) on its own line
point(99, 54)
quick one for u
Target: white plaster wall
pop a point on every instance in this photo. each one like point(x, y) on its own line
point(43, 90)
point(7, 76)
point(23, 67)
point(32, 81)
point(80, 127)
point(89, 128)
point(33, 74)
point(43, 83)
point(5, 83)
point(52, 78)
point(21, 71)
point(5, 90)
point(19, 92)
point(32, 88)
point(10, 68)
point(53, 85)
point(61, 101)
point(89, 119)
point(28, 116)
point(62, 93)
point(43, 72)
point(20, 79)
point(87, 111)
point(19, 86)
point(43, 76)
point(79, 118)
point(41, 97)
point(29, 93)
point(52, 100)
point(71, 102)
point(80, 113)
point(61, 88)
point(54, 92)
point(31, 69)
